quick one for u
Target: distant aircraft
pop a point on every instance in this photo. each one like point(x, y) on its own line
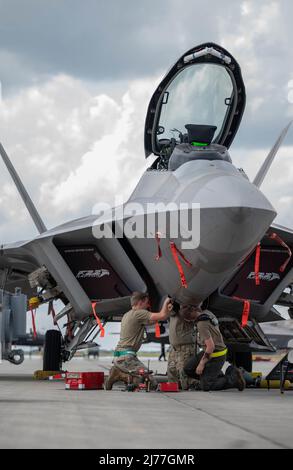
point(239, 267)
point(279, 333)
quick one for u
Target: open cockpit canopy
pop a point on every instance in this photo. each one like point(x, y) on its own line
point(201, 101)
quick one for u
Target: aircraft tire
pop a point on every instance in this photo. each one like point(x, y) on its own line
point(52, 351)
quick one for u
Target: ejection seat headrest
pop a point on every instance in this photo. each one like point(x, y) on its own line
point(199, 133)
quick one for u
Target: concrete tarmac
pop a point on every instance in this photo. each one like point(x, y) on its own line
point(42, 414)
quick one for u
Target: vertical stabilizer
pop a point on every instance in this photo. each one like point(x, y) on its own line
point(261, 174)
point(23, 192)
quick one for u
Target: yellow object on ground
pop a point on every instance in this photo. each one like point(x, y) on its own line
point(256, 374)
point(274, 384)
point(45, 374)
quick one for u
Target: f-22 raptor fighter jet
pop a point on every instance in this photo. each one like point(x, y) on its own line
point(234, 260)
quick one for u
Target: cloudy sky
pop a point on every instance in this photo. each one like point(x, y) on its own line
point(77, 77)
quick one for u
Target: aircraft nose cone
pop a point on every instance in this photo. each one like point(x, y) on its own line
point(222, 185)
point(228, 234)
point(234, 216)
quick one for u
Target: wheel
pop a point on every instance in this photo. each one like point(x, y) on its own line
point(16, 356)
point(244, 359)
point(52, 351)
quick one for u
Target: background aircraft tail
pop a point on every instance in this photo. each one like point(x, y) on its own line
point(261, 174)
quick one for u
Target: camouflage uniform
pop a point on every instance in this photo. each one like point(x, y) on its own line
point(126, 366)
point(177, 358)
point(182, 341)
point(129, 364)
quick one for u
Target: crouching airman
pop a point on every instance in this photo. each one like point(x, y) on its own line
point(126, 363)
point(207, 365)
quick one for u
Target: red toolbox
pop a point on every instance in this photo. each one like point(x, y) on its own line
point(168, 387)
point(84, 380)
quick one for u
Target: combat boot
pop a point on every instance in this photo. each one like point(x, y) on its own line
point(195, 386)
point(184, 381)
point(153, 383)
point(235, 378)
point(116, 375)
point(240, 381)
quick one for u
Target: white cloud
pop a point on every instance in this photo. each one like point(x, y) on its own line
point(74, 147)
point(259, 42)
point(277, 185)
point(71, 147)
point(114, 161)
